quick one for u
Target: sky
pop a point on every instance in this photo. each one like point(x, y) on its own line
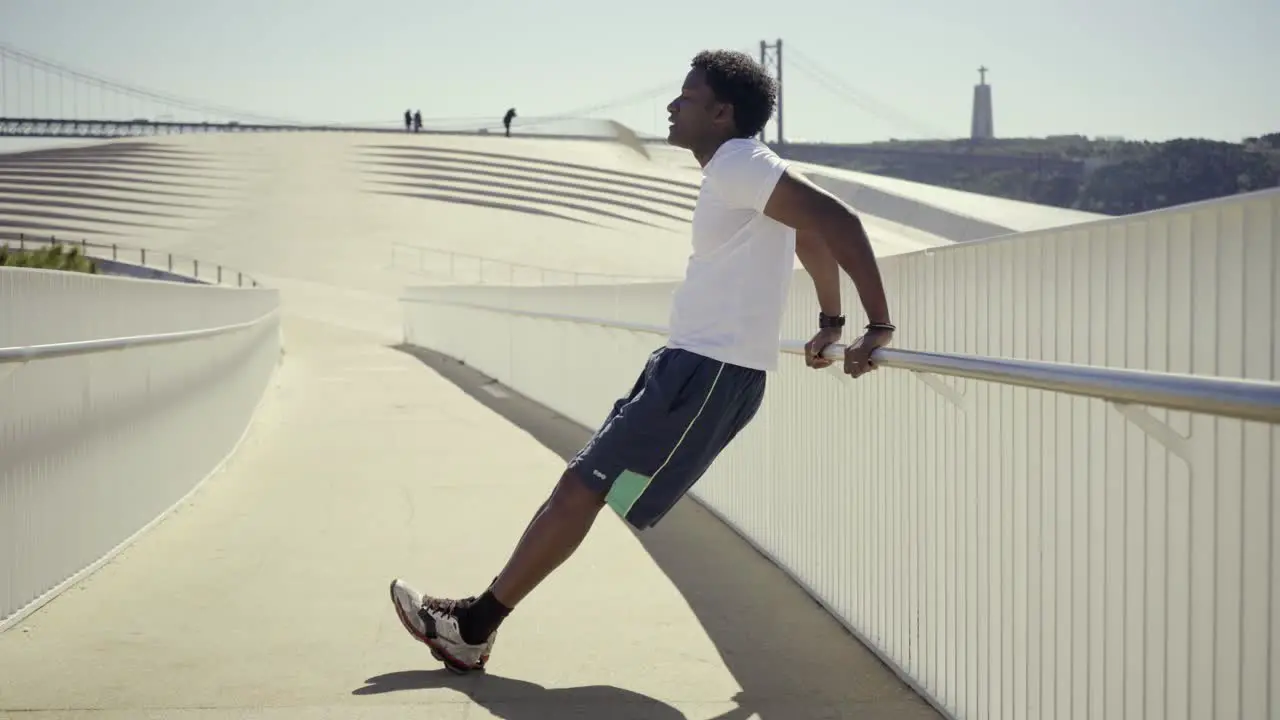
point(1138, 69)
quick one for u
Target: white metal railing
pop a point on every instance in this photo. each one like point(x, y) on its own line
point(1014, 549)
point(1223, 397)
point(117, 397)
point(458, 267)
point(86, 347)
point(172, 263)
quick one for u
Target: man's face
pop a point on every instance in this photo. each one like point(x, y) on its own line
point(695, 115)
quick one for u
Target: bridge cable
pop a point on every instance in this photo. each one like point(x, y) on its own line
point(864, 101)
point(669, 87)
point(33, 61)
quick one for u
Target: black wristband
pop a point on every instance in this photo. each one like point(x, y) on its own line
point(830, 321)
point(881, 326)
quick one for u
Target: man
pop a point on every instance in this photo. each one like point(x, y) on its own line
point(696, 393)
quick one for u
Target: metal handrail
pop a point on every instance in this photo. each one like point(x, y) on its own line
point(52, 240)
point(87, 347)
point(1223, 397)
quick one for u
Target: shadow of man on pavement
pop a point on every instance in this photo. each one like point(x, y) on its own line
point(513, 699)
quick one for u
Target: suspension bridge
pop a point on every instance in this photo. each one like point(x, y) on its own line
point(40, 97)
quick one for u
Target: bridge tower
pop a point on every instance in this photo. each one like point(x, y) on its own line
point(776, 58)
point(982, 125)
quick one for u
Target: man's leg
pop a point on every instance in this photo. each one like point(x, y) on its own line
point(424, 617)
point(654, 446)
point(461, 632)
point(692, 410)
point(564, 519)
point(555, 533)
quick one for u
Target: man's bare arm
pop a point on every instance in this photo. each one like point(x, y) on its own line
point(821, 265)
point(812, 211)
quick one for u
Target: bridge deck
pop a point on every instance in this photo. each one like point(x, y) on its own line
point(266, 595)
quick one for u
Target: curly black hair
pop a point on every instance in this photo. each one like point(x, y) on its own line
point(738, 79)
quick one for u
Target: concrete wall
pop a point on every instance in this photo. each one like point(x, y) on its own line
point(95, 447)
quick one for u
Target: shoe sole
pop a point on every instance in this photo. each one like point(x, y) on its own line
point(428, 638)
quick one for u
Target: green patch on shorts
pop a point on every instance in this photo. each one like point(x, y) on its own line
point(627, 488)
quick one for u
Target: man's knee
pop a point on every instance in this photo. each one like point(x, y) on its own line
point(573, 493)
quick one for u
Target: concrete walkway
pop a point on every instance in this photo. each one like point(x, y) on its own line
point(266, 596)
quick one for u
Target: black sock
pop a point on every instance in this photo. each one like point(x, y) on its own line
point(481, 618)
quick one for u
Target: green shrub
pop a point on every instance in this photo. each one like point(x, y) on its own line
point(52, 257)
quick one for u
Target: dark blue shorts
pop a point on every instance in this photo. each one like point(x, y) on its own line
point(662, 437)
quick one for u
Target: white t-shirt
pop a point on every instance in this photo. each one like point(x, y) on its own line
point(729, 307)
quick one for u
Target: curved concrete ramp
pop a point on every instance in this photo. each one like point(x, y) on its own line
point(266, 595)
point(111, 189)
point(532, 185)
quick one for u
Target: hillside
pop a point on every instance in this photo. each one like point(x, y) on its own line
point(1102, 175)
